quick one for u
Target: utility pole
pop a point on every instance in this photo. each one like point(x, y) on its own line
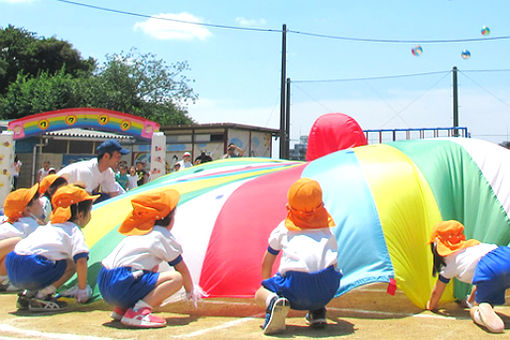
point(287, 121)
point(282, 93)
point(455, 102)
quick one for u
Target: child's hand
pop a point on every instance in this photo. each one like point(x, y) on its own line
point(83, 295)
point(195, 295)
point(429, 307)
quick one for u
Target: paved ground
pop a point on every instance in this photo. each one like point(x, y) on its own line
point(367, 313)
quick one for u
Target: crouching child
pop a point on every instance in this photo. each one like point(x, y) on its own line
point(129, 279)
point(308, 277)
point(50, 255)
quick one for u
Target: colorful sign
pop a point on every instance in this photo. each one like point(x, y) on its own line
point(100, 119)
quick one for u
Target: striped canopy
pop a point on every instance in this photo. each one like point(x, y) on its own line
point(384, 198)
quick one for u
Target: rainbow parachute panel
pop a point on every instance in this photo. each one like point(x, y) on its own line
point(384, 198)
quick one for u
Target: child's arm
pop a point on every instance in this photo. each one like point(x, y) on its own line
point(471, 297)
point(267, 265)
point(187, 281)
point(436, 294)
point(81, 271)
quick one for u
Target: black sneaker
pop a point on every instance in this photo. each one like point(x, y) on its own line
point(276, 313)
point(316, 318)
point(23, 299)
point(47, 304)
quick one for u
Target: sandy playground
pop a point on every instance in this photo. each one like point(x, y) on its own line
point(366, 313)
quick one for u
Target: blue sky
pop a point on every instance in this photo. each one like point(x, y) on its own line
point(237, 72)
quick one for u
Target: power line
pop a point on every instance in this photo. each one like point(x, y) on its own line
point(310, 34)
point(389, 76)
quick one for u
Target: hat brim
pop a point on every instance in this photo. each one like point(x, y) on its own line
point(445, 250)
point(124, 151)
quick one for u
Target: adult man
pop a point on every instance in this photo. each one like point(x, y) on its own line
point(185, 162)
point(97, 173)
point(233, 151)
point(203, 158)
point(141, 173)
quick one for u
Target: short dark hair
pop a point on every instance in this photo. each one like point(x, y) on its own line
point(54, 186)
point(82, 207)
point(166, 220)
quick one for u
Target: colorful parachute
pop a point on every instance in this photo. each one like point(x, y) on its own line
point(332, 132)
point(385, 198)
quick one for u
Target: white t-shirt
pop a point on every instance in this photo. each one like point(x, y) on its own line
point(307, 251)
point(462, 263)
point(144, 252)
point(88, 173)
point(184, 164)
point(43, 173)
point(23, 227)
point(132, 182)
point(57, 241)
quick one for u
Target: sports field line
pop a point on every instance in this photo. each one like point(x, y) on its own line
point(222, 326)
point(44, 335)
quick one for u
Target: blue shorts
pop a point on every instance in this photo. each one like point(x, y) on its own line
point(120, 288)
point(492, 276)
point(33, 272)
point(306, 291)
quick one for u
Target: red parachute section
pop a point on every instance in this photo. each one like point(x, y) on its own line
point(332, 132)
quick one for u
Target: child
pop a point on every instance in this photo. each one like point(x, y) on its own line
point(49, 256)
point(487, 266)
point(129, 279)
point(47, 188)
point(121, 177)
point(307, 278)
point(23, 210)
point(132, 178)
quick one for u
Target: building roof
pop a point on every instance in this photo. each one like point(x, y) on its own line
point(84, 133)
point(209, 126)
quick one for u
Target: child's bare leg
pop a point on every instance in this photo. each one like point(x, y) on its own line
point(6, 246)
point(261, 296)
point(70, 270)
point(485, 315)
point(168, 284)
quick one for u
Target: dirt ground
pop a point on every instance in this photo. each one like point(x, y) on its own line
point(366, 313)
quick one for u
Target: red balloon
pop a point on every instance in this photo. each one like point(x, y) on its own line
point(332, 132)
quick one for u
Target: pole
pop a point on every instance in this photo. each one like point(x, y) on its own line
point(287, 121)
point(455, 102)
point(282, 92)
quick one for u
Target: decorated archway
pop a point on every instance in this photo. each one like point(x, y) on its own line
point(95, 119)
point(92, 118)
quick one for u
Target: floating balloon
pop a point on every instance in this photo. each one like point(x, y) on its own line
point(465, 54)
point(486, 30)
point(417, 50)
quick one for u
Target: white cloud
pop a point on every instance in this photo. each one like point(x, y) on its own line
point(168, 26)
point(250, 22)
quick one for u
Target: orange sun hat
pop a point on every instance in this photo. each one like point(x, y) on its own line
point(147, 209)
point(305, 207)
point(16, 202)
point(64, 197)
point(46, 182)
point(449, 237)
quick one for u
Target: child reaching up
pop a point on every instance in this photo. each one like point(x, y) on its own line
point(308, 277)
point(129, 279)
point(487, 266)
point(49, 256)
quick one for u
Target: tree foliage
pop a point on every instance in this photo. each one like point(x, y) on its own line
point(38, 75)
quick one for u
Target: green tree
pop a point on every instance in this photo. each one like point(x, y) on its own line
point(143, 85)
point(22, 52)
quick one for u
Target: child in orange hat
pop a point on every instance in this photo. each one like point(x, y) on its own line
point(308, 277)
point(486, 266)
point(49, 256)
point(129, 279)
point(48, 186)
point(23, 211)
